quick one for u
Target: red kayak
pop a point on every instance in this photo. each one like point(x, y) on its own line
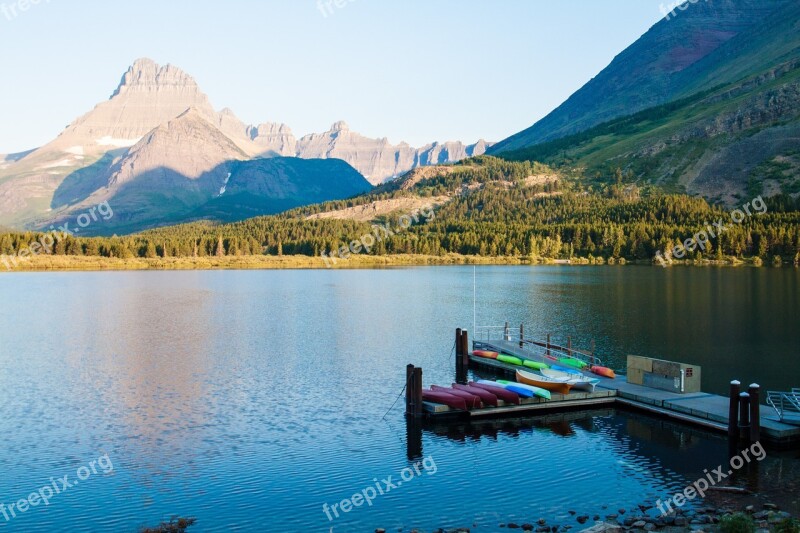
point(486, 397)
point(444, 398)
point(504, 394)
point(485, 354)
point(473, 400)
point(603, 371)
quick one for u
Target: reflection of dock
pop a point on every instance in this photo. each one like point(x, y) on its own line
point(702, 409)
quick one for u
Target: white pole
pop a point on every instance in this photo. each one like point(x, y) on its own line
point(474, 296)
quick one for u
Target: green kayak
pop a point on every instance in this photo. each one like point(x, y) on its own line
point(534, 365)
point(574, 363)
point(510, 359)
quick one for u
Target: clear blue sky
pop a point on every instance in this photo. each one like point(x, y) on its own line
point(413, 70)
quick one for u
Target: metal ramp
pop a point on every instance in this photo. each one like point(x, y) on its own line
point(787, 405)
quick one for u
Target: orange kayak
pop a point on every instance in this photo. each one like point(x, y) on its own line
point(485, 354)
point(603, 371)
point(542, 382)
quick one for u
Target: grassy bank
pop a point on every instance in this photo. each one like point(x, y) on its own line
point(246, 262)
point(61, 263)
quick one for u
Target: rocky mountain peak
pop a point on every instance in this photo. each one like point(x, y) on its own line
point(340, 126)
point(145, 73)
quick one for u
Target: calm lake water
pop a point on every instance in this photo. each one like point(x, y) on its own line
point(251, 399)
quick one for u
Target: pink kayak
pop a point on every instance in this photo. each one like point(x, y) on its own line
point(473, 400)
point(504, 394)
point(486, 397)
point(444, 398)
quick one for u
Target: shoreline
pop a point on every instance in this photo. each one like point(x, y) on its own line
point(49, 263)
point(60, 263)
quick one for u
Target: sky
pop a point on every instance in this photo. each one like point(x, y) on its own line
point(409, 70)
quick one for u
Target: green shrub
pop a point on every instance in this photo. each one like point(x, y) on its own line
point(788, 525)
point(737, 523)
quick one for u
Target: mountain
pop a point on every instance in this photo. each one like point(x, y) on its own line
point(711, 43)
point(158, 137)
point(705, 103)
point(377, 159)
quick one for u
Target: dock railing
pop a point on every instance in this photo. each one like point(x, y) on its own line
point(540, 347)
point(786, 404)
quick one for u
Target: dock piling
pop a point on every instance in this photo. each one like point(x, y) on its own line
point(413, 391)
point(569, 346)
point(521, 336)
point(755, 412)
point(733, 411)
point(548, 345)
point(744, 416)
point(458, 342)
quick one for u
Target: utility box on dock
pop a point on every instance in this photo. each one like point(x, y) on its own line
point(663, 375)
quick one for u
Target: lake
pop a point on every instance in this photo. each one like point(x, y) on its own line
point(251, 399)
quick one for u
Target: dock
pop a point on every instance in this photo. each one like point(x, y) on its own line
point(691, 406)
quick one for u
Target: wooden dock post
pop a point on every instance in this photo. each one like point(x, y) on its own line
point(569, 346)
point(458, 342)
point(465, 346)
point(417, 392)
point(507, 333)
point(521, 336)
point(733, 411)
point(592, 351)
point(755, 412)
point(413, 391)
point(548, 345)
point(744, 416)
point(410, 390)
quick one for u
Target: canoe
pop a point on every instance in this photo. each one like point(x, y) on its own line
point(603, 371)
point(538, 391)
point(485, 354)
point(486, 397)
point(568, 370)
point(580, 382)
point(510, 359)
point(543, 382)
point(534, 364)
point(522, 393)
point(473, 401)
point(501, 392)
point(444, 398)
point(574, 363)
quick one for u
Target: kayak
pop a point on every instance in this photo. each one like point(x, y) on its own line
point(473, 401)
point(538, 391)
point(501, 392)
point(510, 359)
point(543, 382)
point(524, 393)
point(485, 354)
point(579, 382)
point(534, 364)
point(486, 397)
point(603, 371)
point(574, 363)
point(567, 370)
point(444, 398)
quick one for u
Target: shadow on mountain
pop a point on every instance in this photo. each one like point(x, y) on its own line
point(231, 191)
point(82, 183)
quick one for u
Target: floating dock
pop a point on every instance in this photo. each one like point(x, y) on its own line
point(710, 411)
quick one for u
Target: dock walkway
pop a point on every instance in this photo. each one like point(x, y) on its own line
point(702, 409)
